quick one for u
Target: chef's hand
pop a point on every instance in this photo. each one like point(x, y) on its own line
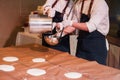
point(59, 26)
point(60, 34)
point(54, 25)
point(51, 12)
point(68, 30)
point(46, 9)
point(64, 24)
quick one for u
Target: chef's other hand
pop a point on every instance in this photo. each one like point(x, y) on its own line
point(54, 24)
point(60, 34)
point(51, 12)
point(59, 27)
point(69, 29)
point(46, 9)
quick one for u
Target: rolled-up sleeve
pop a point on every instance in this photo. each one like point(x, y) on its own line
point(49, 3)
point(99, 18)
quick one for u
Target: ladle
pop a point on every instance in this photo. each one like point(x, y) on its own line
point(53, 39)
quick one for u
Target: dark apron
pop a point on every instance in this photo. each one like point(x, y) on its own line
point(91, 46)
point(64, 44)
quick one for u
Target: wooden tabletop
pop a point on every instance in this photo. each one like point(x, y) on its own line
point(56, 65)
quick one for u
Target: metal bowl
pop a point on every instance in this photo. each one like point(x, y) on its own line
point(51, 40)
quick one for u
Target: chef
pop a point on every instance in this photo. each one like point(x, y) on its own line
point(58, 10)
point(91, 18)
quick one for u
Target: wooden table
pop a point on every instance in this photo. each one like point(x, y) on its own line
point(56, 65)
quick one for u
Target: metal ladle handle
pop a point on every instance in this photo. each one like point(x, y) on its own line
point(61, 33)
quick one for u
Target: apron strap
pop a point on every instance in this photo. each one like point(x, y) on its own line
point(75, 1)
point(82, 7)
point(54, 3)
point(90, 7)
point(65, 6)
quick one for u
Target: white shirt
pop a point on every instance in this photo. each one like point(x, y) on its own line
point(99, 19)
point(60, 5)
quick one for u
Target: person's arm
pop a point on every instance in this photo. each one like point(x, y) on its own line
point(49, 3)
point(68, 30)
point(74, 26)
point(99, 19)
point(80, 26)
point(47, 7)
